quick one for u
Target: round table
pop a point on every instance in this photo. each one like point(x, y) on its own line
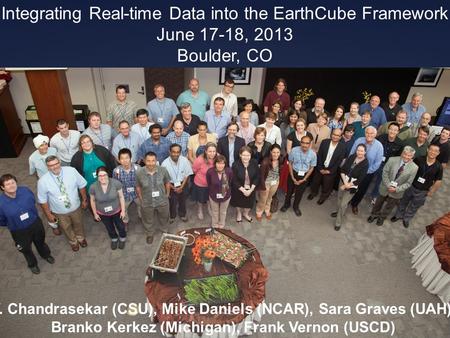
point(431, 258)
point(166, 288)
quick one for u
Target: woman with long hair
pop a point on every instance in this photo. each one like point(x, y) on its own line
point(337, 120)
point(260, 147)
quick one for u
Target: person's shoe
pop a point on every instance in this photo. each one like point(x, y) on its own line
point(337, 228)
point(311, 196)
point(35, 270)
point(355, 210)
point(269, 217)
point(114, 245)
point(50, 259)
point(380, 222)
point(56, 232)
point(298, 212)
point(258, 218)
point(405, 224)
point(171, 220)
point(83, 243)
point(149, 239)
point(248, 219)
point(184, 219)
point(371, 218)
point(320, 201)
point(334, 214)
point(284, 208)
point(75, 247)
point(394, 219)
point(121, 244)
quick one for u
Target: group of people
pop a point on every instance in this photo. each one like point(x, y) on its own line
point(221, 154)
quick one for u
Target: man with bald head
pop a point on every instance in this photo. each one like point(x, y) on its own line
point(198, 99)
point(374, 154)
point(313, 113)
point(424, 122)
point(378, 115)
point(415, 109)
point(179, 136)
point(391, 107)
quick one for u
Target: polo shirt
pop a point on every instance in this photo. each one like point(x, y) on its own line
point(181, 140)
point(37, 161)
point(66, 147)
point(20, 212)
point(414, 115)
point(198, 103)
point(420, 150)
point(161, 149)
point(178, 171)
point(152, 186)
point(378, 115)
point(444, 150)
point(103, 137)
point(374, 153)
point(217, 124)
point(430, 174)
point(162, 111)
point(48, 190)
point(302, 161)
point(132, 142)
point(190, 128)
point(118, 111)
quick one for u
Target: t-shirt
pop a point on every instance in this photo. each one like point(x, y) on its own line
point(426, 175)
point(107, 203)
point(90, 164)
point(444, 150)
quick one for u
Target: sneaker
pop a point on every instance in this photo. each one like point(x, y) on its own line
point(114, 245)
point(35, 270)
point(121, 245)
point(298, 212)
point(405, 224)
point(50, 259)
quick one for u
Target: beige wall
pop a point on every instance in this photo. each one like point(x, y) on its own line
point(209, 82)
point(433, 96)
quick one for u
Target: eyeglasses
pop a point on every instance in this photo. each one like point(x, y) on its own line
point(229, 86)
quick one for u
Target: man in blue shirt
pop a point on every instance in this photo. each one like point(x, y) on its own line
point(59, 193)
point(217, 118)
point(179, 136)
point(18, 212)
point(378, 115)
point(157, 144)
point(414, 108)
point(162, 110)
point(126, 139)
point(374, 155)
point(302, 161)
point(198, 99)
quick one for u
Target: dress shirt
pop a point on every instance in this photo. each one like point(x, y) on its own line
point(162, 111)
point(20, 212)
point(132, 142)
point(179, 170)
point(161, 149)
point(302, 161)
point(374, 153)
point(181, 140)
point(66, 147)
point(217, 124)
point(37, 161)
point(142, 131)
point(330, 153)
point(231, 104)
point(414, 115)
point(273, 135)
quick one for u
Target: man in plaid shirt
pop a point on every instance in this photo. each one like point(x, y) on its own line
point(126, 174)
point(179, 136)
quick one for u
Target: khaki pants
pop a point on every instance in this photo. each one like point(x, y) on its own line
point(265, 199)
point(127, 205)
point(155, 218)
point(344, 198)
point(72, 225)
point(218, 212)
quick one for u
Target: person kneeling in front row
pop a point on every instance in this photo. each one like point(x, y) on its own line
point(18, 212)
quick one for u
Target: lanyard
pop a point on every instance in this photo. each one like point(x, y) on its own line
point(101, 135)
point(65, 144)
point(218, 122)
point(56, 181)
point(163, 107)
point(173, 168)
point(129, 141)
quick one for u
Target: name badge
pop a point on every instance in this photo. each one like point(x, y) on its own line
point(384, 159)
point(24, 216)
point(177, 184)
point(301, 173)
point(94, 174)
point(394, 184)
point(421, 180)
point(108, 208)
point(408, 124)
point(219, 196)
point(130, 189)
point(160, 120)
point(274, 182)
point(155, 194)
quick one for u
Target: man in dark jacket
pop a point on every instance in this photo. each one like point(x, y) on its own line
point(230, 144)
point(329, 158)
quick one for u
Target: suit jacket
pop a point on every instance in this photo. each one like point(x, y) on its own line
point(404, 181)
point(222, 147)
point(239, 174)
point(336, 158)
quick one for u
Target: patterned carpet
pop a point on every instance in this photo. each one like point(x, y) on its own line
point(307, 260)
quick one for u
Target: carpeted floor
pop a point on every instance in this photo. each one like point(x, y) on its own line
point(307, 260)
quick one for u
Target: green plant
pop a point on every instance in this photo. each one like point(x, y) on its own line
point(216, 289)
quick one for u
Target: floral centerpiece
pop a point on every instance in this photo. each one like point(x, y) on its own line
point(203, 251)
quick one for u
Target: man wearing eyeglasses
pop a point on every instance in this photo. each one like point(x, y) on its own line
point(230, 99)
point(302, 161)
